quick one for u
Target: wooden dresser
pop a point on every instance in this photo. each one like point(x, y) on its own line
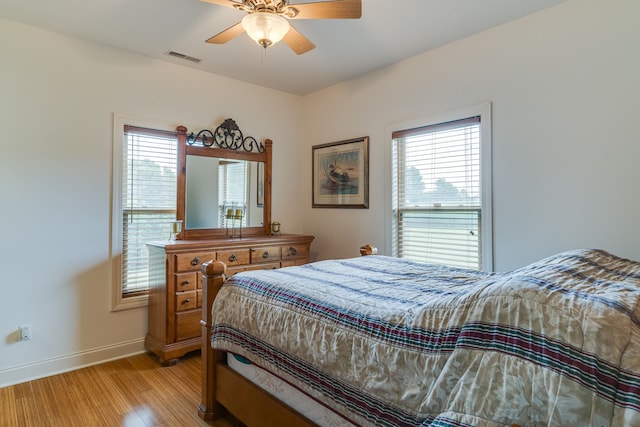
point(175, 298)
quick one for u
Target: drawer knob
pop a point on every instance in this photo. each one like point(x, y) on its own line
point(265, 254)
point(232, 258)
point(186, 301)
point(292, 250)
point(195, 261)
point(186, 282)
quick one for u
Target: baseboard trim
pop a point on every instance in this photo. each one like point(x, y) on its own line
point(70, 362)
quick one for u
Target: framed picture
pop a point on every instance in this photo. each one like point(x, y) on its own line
point(260, 185)
point(341, 174)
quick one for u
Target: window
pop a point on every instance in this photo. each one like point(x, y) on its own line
point(145, 183)
point(441, 193)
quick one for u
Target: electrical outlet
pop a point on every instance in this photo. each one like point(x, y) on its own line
point(25, 333)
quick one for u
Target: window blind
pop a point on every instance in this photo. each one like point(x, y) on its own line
point(148, 199)
point(437, 198)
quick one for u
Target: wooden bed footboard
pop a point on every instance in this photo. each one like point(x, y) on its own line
point(224, 390)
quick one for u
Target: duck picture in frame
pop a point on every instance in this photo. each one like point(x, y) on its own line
point(341, 174)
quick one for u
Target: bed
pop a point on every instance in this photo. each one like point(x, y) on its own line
point(377, 340)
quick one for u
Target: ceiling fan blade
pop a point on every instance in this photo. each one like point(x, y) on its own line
point(228, 3)
point(339, 9)
point(297, 42)
point(227, 34)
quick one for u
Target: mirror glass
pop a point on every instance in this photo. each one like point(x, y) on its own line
point(223, 193)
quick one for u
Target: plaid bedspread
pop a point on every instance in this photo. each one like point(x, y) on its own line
point(390, 342)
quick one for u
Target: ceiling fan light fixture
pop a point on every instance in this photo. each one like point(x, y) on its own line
point(265, 28)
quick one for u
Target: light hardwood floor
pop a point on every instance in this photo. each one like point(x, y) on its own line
point(131, 392)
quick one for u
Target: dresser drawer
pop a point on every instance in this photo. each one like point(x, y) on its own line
point(265, 254)
point(185, 281)
point(186, 300)
point(290, 252)
point(239, 269)
point(193, 261)
point(266, 266)
point(293, 262)
point(188, 325)
point(235, 270)
point(234, 257)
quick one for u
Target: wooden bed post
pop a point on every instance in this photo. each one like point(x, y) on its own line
point(368, 250)
point(213, 276)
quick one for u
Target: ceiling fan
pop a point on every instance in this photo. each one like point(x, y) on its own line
point(267, 20)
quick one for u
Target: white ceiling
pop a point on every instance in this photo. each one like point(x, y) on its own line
point(389, 31)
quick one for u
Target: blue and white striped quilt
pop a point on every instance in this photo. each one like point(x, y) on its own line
point(390, 342)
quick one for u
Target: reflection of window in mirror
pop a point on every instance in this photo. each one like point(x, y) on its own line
point(232, 190)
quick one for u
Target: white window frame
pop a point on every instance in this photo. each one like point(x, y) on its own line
point(118, 301)
point(484, 111)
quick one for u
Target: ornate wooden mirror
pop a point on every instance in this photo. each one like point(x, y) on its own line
point(224, 183)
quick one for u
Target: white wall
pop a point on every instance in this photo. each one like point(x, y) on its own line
point(564, 85)
point(57, 99)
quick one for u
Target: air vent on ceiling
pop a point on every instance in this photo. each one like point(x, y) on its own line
point(183, 56)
